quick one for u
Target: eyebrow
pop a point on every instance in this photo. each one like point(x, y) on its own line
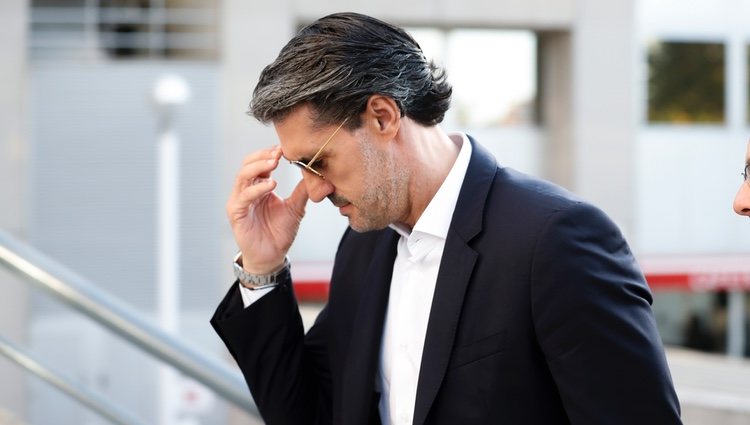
point(306, 159)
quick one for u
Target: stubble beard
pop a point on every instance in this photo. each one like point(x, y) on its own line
point(384, 191)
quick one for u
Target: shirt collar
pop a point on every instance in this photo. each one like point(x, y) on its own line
point(436, 218)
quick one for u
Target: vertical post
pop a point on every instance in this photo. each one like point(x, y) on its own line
point(170, 92)
point(554, 67)
point(604, 114)
point(736, 323)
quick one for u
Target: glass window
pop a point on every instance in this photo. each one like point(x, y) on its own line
point(493, 73)
point(686, 82)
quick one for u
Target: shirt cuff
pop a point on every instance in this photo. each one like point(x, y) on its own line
point(249, 297)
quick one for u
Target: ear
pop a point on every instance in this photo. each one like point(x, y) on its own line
point(383, 116)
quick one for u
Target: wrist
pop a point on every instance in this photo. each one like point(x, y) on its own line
point(255, 281)
point(251, 268)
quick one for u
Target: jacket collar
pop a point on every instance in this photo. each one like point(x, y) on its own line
point(453, 277)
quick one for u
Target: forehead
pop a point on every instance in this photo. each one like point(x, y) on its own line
point(298, 134)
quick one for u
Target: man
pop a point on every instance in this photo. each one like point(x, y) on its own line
point(462, 293)
point(742, 200)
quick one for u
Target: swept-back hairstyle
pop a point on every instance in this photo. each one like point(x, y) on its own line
point(336, 63)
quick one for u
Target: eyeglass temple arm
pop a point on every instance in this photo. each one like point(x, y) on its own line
point(312, 161)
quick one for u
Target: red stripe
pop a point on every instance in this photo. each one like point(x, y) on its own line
point(668, 282)
point(700, 282)
point(311, 290)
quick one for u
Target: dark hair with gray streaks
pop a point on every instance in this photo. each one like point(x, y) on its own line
point(339, 61)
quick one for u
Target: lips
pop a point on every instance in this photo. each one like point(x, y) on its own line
point(343, 208)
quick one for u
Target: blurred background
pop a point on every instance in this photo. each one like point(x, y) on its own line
point(122, 123)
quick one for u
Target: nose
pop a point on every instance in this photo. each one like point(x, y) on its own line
point(317, 188)
point(742, 200)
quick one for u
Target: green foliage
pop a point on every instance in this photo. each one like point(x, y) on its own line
point(686, 82)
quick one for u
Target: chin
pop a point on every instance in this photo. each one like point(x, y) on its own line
point(360, 227)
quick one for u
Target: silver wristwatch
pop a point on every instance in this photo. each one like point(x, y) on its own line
point(258, 281)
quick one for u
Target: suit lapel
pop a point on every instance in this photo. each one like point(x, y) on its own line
point(453, 279)
point(364, 348)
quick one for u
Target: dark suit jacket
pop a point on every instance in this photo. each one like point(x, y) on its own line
point(540, 316)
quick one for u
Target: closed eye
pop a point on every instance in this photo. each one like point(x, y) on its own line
point(319, 164)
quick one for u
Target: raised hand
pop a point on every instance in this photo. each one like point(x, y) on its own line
point(264, 224)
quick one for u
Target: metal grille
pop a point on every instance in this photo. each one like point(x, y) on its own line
point(123, 29)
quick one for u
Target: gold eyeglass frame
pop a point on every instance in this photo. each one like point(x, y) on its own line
point(309, 164)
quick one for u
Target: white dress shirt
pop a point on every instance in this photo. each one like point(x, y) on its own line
point(412, 287)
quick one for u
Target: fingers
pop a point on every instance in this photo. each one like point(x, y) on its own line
point(253, 181)
point(251, 193)
point(272, 152)
point(298, 199)
point(255, 167)
point(239, 204)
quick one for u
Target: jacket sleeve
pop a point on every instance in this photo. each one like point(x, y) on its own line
point(287, 371)
point(593, 319)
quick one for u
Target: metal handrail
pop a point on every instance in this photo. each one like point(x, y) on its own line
point(82, 394)
point(84, 296)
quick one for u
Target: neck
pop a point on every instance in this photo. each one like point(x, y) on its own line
point(429, 156)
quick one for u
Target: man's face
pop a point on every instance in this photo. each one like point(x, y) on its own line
point(360, 176)
point(742, 200)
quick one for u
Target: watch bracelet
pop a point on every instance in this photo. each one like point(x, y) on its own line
point(256, 282)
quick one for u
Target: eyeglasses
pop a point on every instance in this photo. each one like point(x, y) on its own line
point(310, 163)
point(746, 174)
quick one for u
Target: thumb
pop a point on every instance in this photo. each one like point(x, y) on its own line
point(298, 199)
